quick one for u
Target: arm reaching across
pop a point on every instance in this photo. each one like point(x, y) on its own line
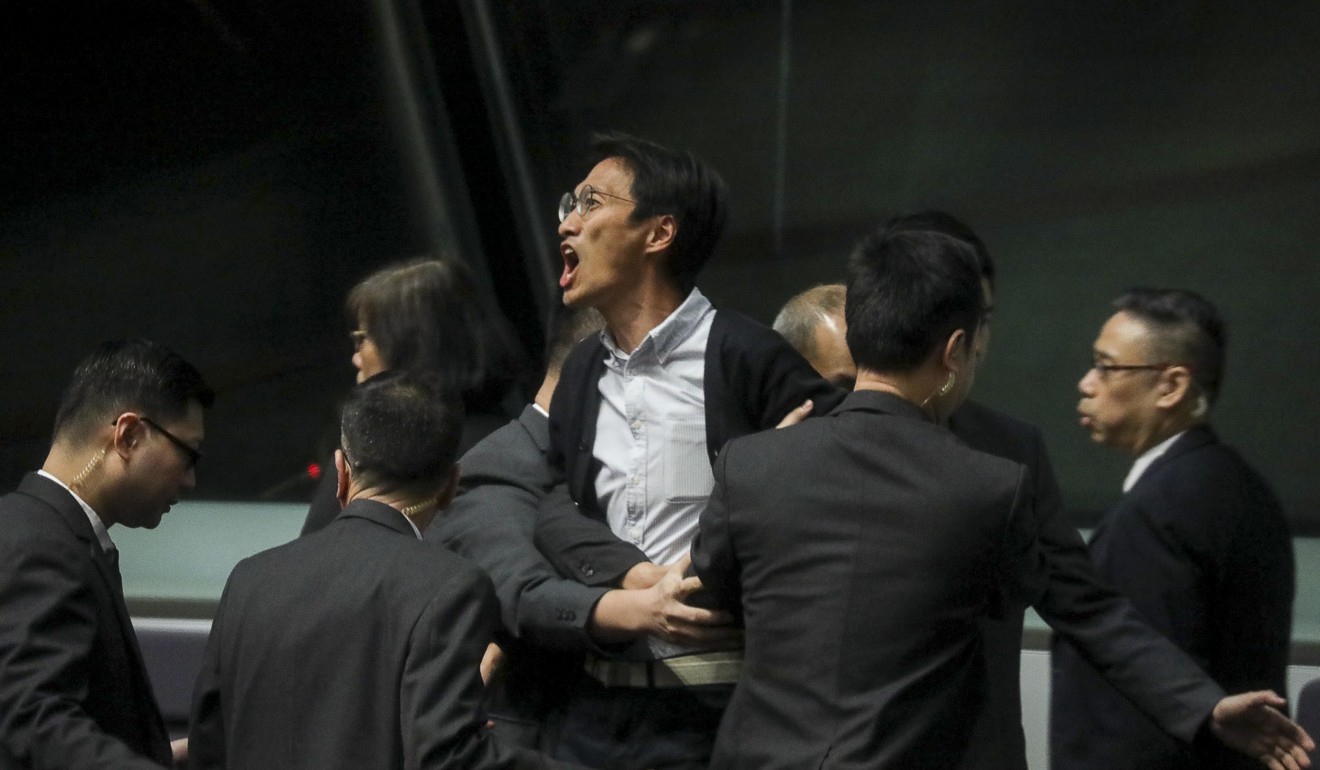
point(661, 611)
point(1252, 724)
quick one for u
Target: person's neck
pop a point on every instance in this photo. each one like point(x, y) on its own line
point(634, 317)
point(547, 391)
point(82, 471)
point(400, 502)
point(916, 387)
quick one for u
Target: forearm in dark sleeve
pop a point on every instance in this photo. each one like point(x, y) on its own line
point(536, 604)
point(580, 547)
point(1104, 627)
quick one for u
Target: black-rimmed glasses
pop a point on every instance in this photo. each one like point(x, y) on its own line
point(1104, 369)
point(194, 455)
point(584, 201)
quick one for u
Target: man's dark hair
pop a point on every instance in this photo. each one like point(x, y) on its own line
point(426, 315)
point(1185, 328)
point(400, 430)
point(908, 290)
point(128, 375)
point(672, 182)
point(568, 327)
point(944, 222)
point(798, 318)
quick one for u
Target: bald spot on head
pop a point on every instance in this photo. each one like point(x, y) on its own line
point(813, 323)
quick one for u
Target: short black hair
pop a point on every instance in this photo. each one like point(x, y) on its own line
point(400, 430)
point(1185, 328)
point(568, 327)
point(128, 375)
point(944, 222)
point(908, 290)
point(674, 182)
point(426, 315)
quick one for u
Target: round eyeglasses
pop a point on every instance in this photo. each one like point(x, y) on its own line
point(585, 202)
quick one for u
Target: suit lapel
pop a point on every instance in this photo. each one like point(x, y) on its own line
point(73, 516)
point(1195, 438)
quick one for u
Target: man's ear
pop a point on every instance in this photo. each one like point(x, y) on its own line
point(952, 359)
point(450, 489)
point(342, 478)
point(127, 433)
point(662, 234)
point(1175, 387)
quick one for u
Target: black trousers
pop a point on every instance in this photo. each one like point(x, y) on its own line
point(634, 728)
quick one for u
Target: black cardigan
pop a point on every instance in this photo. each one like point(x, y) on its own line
point(753, 378)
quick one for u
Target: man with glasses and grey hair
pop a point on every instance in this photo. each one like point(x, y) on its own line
point(1198, 541)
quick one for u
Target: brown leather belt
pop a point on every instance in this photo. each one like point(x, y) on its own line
point(681, 671)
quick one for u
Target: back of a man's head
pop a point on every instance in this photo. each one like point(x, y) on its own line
point(127, 375)
point(798, 318)
point(1185, 328)
point(946, 223)
point(908, 290)
point(400, 431)
point(568, 327)
point(673, 182)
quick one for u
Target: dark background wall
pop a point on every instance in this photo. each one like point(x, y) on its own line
point(217, 174)
point(1094, 146)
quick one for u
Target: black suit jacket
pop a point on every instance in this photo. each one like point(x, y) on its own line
point(752, 378)
point(862, 578)
point(357, 646)
point(504, 480)
point(1201, 547)
point(74, 692)
point(1081, 607)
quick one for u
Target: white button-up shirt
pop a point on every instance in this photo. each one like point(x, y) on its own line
point(655, 474)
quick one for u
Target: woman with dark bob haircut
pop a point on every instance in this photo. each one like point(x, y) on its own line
point(426, 316)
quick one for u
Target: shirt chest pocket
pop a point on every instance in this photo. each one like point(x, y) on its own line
point(688, 476)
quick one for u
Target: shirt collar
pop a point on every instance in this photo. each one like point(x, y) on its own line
point(1149, 456)
point(102, 534)
point(669, 334)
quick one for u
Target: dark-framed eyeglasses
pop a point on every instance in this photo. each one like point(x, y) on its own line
point(193, 455)
point(1104, 370)
point(359, 339)
point(584, 202)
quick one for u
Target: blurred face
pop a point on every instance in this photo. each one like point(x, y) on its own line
point(1119, 407)
point(160, 471)
point(832, 358)
point(603, 252)
point(366, 356)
